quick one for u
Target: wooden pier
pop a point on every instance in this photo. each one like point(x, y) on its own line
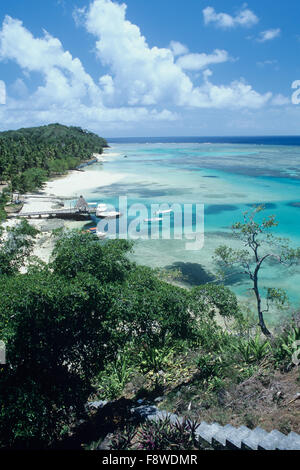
point(55, 213)
point(81, 211)
point(58, 213)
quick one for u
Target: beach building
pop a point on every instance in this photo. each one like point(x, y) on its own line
point(82, 205)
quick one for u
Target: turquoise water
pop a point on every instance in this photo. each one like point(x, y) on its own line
point(228, 179)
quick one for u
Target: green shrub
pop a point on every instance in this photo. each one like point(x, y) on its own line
point(253, 350)
point(164, 435)
point(284, 346)
point(209, 366)
point(211, 299)
point(77, 252)
point(111, 381)
point(154, 359)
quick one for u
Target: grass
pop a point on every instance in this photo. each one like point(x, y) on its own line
point(232, 385)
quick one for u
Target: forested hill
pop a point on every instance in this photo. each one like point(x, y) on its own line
point(29, 156)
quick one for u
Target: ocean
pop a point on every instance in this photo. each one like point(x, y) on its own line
point(228, 176)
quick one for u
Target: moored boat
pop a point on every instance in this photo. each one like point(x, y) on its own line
point(167, 211)
point(100, 235)
point(108, 214)
point(154, 219)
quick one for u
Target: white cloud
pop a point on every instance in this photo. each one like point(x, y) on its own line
point(2, 92)
point(141, 84)
point(200, 61)
point(244, 17)
point(19, 88)
point(140, 75)
point(64, 77)
point(269, 35)
point(78, 15)
point(267, 62)
point(177, 48)
point(280, 100)
point(107, 85)
point(67, 93)
point(274, 64)
point(238, 94)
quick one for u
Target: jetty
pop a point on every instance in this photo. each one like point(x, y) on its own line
point(58, 213)
point(82, 210)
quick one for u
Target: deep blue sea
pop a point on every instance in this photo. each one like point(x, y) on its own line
point(228, 175)
point(257, 140)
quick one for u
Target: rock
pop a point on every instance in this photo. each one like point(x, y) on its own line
point(97, 404)
point(158, 399)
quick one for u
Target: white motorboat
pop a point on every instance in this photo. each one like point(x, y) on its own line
point(100, 235)
point(101, 208)
point(167, 211)
point(108, 214)
point(154, 219)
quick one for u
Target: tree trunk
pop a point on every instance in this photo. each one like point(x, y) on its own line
point(262, 324)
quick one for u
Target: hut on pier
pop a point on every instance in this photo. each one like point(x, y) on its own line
point(82, 205)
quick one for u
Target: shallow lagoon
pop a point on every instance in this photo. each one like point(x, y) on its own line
point(228, 179)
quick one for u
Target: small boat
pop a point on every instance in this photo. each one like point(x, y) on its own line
point(101, 208)
point(91, 230)
point(107, 214)
point(100, 235)
point(167, 211)
point(154, 219)
point(95, 231)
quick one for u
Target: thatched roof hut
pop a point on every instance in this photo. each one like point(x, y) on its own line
point(82, 205)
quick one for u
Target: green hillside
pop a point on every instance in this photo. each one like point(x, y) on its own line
point(29, 156)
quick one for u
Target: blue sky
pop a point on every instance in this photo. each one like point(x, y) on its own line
point(151, 68)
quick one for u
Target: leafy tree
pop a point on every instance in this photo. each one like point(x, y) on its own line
point(29, 180)
point(211, 298)
point(150, 311)
point(57, 334)
point(260, 246)
point(4, 198)
point(77, 252)
point(16, 245)
point(59, 329)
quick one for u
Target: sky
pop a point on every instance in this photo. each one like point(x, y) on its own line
point(151, 68)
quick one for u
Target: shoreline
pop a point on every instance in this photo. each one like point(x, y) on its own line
point(69, 185)
point(60, 191)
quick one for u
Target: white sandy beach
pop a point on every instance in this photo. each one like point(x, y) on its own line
point(52, 196)
point(80, 181)
point(76, 182)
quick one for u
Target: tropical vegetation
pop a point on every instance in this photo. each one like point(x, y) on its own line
point(92, 325)
point(29, 156)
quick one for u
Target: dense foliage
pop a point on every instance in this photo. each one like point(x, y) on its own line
point(4, 198)
point(28, 156)
point(90, 320)
point(16, 245)
point(66, 321)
